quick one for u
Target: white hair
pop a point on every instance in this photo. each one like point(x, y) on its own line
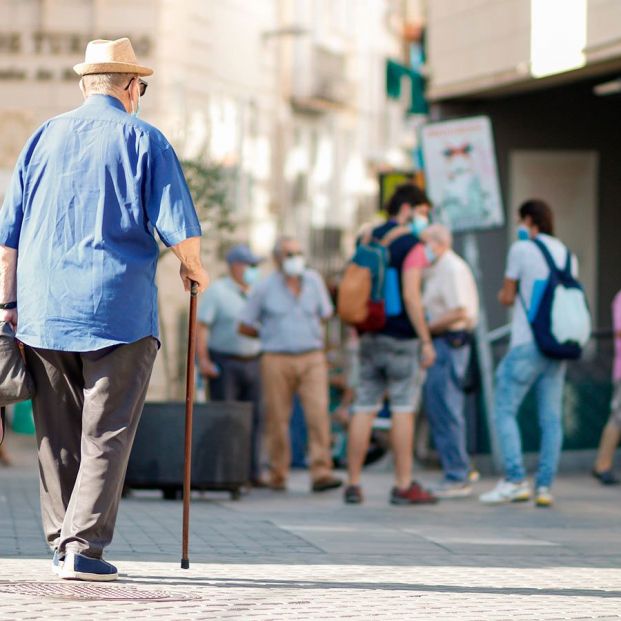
point(439, 234)
point(280, 242)
point(103, 83)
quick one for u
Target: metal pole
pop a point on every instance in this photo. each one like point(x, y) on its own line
point(189, 407)
point(484, 350)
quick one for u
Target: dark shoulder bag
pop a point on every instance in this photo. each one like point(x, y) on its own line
point(15, 382)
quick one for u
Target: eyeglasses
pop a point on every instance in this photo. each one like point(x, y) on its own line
point(141, 84)
point(291, 255)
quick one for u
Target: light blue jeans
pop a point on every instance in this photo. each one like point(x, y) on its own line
point(521, 369)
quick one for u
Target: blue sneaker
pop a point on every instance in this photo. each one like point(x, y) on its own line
point(80, 567)
point(57, 563)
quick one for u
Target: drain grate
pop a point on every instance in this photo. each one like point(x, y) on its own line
point(83, 591)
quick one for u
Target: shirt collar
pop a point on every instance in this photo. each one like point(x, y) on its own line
point(104, 101)
point(235, 286)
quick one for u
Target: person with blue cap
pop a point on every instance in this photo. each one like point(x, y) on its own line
point(228, 360)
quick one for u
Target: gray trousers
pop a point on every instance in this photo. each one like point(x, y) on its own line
point(86, 410)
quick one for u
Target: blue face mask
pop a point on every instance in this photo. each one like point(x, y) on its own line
point(523, 233)
point(430, 254)
point(251, 275)
point(419, 224)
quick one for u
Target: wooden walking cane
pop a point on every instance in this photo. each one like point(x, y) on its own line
point(189, 407)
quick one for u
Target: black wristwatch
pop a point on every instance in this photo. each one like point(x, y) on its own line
point(8, 306)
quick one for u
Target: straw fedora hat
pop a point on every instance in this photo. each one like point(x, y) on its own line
point(110, 57)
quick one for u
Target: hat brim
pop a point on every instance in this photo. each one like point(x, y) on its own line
point(111, 67)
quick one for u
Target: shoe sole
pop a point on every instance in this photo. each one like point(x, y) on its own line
point(544, 504)
point(506, 501)
point(403, 503)
point(318, 490)
point(80, 575)
point(354, 501)
point(453, 495)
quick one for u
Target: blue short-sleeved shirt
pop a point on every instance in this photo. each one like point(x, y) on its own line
point(220, 309)
point(286, 323)
point(89, 189)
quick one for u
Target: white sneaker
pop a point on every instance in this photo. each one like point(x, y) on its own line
point(505, 491)
point(452, 489)
point(543, 497)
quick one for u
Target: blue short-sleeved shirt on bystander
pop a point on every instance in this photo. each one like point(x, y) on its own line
point(89, 189)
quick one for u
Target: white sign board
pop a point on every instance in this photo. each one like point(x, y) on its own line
point(461, 174)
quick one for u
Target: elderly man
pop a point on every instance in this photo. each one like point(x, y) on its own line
point(451, 302)
point(285, 311)
point(77, 259)
point(228, 360)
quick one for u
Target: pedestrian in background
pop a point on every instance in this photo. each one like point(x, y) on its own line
point(78, 258)
point(451, 302)
point(603, 469)
point(285, 311)
point(390, 359)
point(524, 366)
point(227, 359)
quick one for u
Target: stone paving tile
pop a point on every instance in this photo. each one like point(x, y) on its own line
point(303, 556)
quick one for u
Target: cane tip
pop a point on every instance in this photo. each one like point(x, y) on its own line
point(185, 563)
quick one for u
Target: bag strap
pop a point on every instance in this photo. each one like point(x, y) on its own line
point(2, 424)
point(568, 263)
point(546, 255)
point(394, 234)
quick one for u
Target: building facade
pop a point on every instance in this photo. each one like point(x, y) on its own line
point(287, 97)
point(546, 73)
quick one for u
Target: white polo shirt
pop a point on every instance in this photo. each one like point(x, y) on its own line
point(449, 284)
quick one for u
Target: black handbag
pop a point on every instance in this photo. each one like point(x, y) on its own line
point(15, 382)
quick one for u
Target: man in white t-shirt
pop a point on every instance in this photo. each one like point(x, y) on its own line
point(451, 303)
point(525, 366)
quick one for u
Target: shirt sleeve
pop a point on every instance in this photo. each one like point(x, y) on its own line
point(208, 307)
point(12, 212)
point(416, 258)
point(326, 308)
point(514, 261)
point(168, 202)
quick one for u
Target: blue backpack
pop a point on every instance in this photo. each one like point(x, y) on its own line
point(559, 315)
point(369, 290)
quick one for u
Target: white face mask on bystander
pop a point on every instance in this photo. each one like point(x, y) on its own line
point(294, 266)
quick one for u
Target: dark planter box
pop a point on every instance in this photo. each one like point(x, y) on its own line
point(220, 448)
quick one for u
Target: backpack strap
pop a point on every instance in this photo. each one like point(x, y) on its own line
point(568, 264)
point(546, 255)
point(394, 234)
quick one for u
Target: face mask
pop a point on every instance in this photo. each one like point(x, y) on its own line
point(419, 224)
point(430, 254)
point(294, 266)
point(136, 112)
point(523, 234)
point(251, 275)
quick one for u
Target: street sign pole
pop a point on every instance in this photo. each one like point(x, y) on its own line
point(484, 350)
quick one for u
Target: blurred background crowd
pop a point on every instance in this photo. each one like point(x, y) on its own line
point(301, 118)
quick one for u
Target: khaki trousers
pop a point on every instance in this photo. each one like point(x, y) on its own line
point(284, 375)
point(86, 409)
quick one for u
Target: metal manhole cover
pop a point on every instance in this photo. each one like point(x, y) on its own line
point(91, 591)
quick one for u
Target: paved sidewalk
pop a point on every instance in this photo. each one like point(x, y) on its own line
point(303, 556)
